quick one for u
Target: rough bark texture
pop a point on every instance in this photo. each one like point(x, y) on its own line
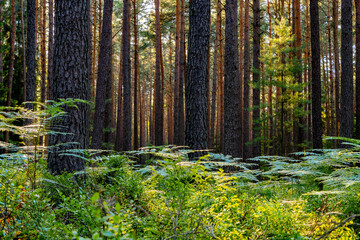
point(256, 147)
point(246, 126)
point(126, 74)
point(30, 52)
point(196, 132)
point(71, 77)
point(316, 75)
point(136, 76)
point(12, 53)
point(176, 73)
point(119, 122)
point(50, 47)
point(357, 93)
point(215, 78)
point(103, 95)
point(299, 134)
point(337, 67)
point(347, 88)
point(43, 51)
point(1, 51)
point(23, 45)
point(158, 107)
point(232, 117)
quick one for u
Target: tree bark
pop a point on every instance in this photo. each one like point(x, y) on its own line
point(316, 75)
point(246, 133)
point(337, 67)
point(104, 80)
point(12, 54)
point(357, 93)
point(30, 53)
point(347, 87)
point(126, 74)
point(50, 48)
point(256, 147)
point(196, 134)
point(72, 48)
point(23, 47)
point(232, 124)
point(136, 75)
point(43, 50)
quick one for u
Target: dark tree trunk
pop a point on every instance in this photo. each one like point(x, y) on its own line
point(347, 87)
point(50, 47)
point(136, 76)
point(12, 53)
point(23, 46)
point(197, 77)
point(158, 107)
point(1, 51)
point(357, 93)
point(256, 129)
point(103, 85)
point(246, 125)
point(316, 75)
point(30, 53)
point(232, 117)
point(71, 79)
point(337, 67)
point(126, 74)
point(43, 51)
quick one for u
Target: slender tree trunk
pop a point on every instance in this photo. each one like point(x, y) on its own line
point(196, 135)
point(170, 100)
point(177, 73)
point(337, 66)
point(30, 52)
point(332, 103)
point(103, 86)
point(23, 46)
point(12, 53)
point(158, 107)
point(182, 60)
point(256, 147)
point(43, 50)
point(270, 93)
point(246, 134)
point(93, 93)
point(1, 51)
point(72, 19)
point(316, 75)
point(50, 48)
point(357, 93)
point(120, 116)
point(241, 62)
point(136, 67)
point(347, 87)
point(215, 76)
point(126, 73)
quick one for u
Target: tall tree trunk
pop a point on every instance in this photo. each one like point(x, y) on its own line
point(332, 103)
point(158, 107)
point(43, 50)
point(215, 76)
point(104, 80)
point(256, 147)
point(12, 53)
point(357, 93)
point(337, 67)
point(246, 134)
point(316, 75)
point(170, 100)
point(177, 73)
point(347, 87)
point(298, 120)
point(72, 20)
point(93, 93)
point(120, 116)
point(270, 93)
point(196, 135)
point(182, 80)
point(1, 51)
point(30, 52)
point(241, 61)
point(136, 64)
point(232, 124)
point(50, 47)
point(23, 45)
point(126, 74)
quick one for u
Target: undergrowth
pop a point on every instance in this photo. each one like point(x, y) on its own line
point(156, 193)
